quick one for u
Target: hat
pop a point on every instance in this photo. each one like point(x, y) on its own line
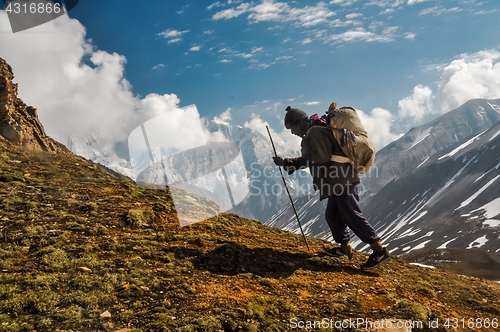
point(294, 115)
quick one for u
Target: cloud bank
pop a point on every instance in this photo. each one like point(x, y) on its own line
point(471, 76)
point(76, 88)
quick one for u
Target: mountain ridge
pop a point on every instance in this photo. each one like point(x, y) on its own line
point(395, 159)
point(453, 187)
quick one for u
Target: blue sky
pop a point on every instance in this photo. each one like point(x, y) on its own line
point(401, 62)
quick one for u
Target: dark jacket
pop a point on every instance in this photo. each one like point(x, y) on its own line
point(329, 177)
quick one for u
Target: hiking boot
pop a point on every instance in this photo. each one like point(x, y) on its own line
point(336, 252)
point(376, 259)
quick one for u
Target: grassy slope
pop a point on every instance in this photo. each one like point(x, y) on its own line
point(76, 242)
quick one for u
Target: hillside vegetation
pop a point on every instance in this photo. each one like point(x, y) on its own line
point(82, 250)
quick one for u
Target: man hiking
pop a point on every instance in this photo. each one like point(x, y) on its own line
point(336, 181)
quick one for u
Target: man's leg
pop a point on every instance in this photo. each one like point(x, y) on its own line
point(337, 226)
point(350, 212)
point(348, 206)
point(339, 229)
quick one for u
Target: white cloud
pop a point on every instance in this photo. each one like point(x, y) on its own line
point(224, 118)
point(485, 12)
point(412, 2)
point(268, 10)
point(409, 35)
point(439, 10)
point(231, 12)
point(174, 40)
point(225, 60)
point(217, 136)
point(74, 97)
point(385, 3)
point(284, 57)
point(154, 104)
point(306, 41)
point(261, 65)
point(215, 4)
point(353, 15)
point(158, 66)
point(387, 11)
point(343, 3)
point(257, 49)
point(378, 124)
point(472, 76)
point(208, 32)
point(173, 36)
point(417, 105)
point(360, 34)
point(310, 103)
point(284, 138)
point(195, 48)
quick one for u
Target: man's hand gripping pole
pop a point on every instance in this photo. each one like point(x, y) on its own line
point(286, 187)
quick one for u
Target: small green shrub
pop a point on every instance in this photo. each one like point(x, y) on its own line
point(139, 217)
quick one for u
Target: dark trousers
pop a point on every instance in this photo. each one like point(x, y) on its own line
point(343, 212)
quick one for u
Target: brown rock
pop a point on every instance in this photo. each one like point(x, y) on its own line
point(19, 123)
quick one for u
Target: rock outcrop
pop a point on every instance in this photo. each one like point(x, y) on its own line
point(19, 123)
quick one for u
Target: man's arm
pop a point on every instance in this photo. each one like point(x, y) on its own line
point(291, 164)
point(318, 147)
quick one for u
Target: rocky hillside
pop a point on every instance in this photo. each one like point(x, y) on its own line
point(19, 123)
point(81, 250)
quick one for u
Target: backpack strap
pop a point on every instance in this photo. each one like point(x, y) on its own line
point(342, 160)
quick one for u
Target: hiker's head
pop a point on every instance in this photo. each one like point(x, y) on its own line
point(296, 120)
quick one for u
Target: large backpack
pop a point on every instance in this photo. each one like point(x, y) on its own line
point(352, 137)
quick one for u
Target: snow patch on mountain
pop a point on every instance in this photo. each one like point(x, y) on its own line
point(421, 137)
point(423, 162)
point(420, 246)
point(443, 246)
point(495, 107)
point(477, 193)
point(450, 181)
point(423, 265)
point(461, 147)
point(492, 209)
point(479, 242)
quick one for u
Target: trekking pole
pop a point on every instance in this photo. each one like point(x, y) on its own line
point(286, 187)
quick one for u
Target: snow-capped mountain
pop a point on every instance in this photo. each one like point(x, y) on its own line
point(267, 194)
point(266, 191)
point(395, 160)
point(402, 155)
point(452, 200)
point(113, 156)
